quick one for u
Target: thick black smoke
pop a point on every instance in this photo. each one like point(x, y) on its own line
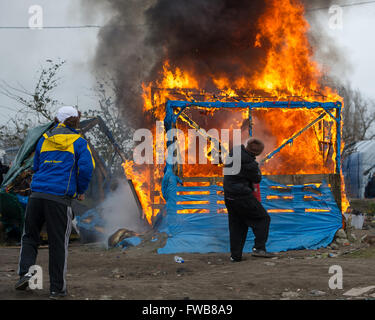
point(209, 37)
point(123, 53)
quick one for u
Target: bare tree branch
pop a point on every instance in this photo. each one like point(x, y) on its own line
point(37, 107)
point(357, 116)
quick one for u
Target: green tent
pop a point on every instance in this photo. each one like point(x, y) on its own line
point(24, 157)
point(12, 210)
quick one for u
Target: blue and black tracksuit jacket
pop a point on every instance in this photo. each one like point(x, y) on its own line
point(63, 163)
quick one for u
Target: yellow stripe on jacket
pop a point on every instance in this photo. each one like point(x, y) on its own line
point(93, 161)
point(59, 142)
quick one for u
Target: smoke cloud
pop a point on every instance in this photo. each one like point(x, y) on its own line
point(119, 210)
point(205, 36)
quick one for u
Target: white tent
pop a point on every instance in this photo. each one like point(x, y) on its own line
point(358, 167)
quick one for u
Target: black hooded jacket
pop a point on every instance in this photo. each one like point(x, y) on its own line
point(370, 188)
point(241, 185)
point(3, 170)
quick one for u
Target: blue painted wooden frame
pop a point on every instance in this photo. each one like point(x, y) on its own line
point(171, 117)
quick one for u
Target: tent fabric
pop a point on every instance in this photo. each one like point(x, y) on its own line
point(12, 206)
point(358, 167)
point(312, 224)
point(23, 161)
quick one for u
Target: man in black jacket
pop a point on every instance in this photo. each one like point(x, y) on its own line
point(3, 170)
point(370, 188)
point(244, 210)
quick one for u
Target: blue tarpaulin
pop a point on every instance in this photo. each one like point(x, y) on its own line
point(311, 220)
point(302, 216)
point(129, 242)
point(89, 220)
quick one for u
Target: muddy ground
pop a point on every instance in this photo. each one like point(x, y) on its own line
point(140, 273)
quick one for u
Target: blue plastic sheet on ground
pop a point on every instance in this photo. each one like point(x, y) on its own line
point(310, 222)
point(129, 242)
point(23, 200)
point(89, 220)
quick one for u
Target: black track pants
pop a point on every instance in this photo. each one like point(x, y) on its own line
point(58, 218)
point(242, 214)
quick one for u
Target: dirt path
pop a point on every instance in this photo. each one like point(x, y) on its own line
point(140, 273)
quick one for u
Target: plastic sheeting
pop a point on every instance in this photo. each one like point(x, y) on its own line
point(311, 224)
point(13, 212)
point(129, 242)
point(358, 167)
point(24, 160)
point(89, 220)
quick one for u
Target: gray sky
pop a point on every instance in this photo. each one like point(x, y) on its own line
point(355, 42)
point(24, 51)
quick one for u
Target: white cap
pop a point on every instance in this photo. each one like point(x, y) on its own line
point(66, 112)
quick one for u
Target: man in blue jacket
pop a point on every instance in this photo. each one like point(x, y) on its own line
point(63, 166)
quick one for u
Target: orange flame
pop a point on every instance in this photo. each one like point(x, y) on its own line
point(141, 185)
point(289, 73)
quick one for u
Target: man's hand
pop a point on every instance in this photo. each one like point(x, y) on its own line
point(81, 197)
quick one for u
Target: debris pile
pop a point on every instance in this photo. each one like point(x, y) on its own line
point(21, 184)
point(341, 238)
point(361, 292)
point(125, 239)
point(119, 236)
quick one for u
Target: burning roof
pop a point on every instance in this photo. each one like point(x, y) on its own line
point(202, 50)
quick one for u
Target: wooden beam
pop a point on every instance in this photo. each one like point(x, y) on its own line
point(90, 125)
point(211, 180)
point(102, 170)
point(291, 139)
point(298, 179)
point(158, 205)
point(139, 205)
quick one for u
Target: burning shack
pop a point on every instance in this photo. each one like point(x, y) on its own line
point(303, 196)
point(248, 65)
point(259, 77)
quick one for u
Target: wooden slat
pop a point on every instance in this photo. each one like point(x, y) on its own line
point(296, 179)
point(211, 180)
point(282, 179)
point(158, 205)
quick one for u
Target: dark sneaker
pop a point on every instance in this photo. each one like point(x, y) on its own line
point(262, 253)
point(57, 295)
point(23, 282)
point(235, 260)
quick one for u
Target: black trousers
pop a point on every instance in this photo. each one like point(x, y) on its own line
point(242, 214)
point(58, 218)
